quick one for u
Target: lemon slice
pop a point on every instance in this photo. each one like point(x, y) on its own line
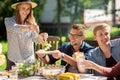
point(79, 54)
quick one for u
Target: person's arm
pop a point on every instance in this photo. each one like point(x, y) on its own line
point(113, 71)
point(29, 27)
point(60, 55)
point(69, 60)
point(43, 55)
point(35, 28)
point(57, 55)
point(91, 65)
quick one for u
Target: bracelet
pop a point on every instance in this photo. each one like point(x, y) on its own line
point(44, 56)
point(62, 56)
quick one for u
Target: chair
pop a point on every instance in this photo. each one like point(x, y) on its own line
point(53, 40)
point(92, 43)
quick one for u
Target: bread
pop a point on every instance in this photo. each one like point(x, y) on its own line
point(68, 76)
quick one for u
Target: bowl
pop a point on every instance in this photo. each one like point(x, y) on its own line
point(26, 69)
point(51, 72)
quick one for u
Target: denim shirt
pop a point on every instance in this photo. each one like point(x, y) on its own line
point(20, 44)
point(98, 57)
point(68, 49)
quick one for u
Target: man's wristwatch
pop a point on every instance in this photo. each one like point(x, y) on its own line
point(62, 56)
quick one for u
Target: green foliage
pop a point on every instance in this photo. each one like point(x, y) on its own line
point(2, 62)
point(5, 11)
point(4, 47)
point(63, 39)
point(115, 31)
point(39, 9)
point(89, 34)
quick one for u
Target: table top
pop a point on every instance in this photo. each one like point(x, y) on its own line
point(82, 77)
point(32, 78)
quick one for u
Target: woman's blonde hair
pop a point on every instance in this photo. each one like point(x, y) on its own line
point(30, 18)
point(100, 26)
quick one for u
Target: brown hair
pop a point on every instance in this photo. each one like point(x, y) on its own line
point(80, 27)
point(100, 26)
point(30, 18)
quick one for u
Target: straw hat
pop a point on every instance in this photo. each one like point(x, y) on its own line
point(33, 4)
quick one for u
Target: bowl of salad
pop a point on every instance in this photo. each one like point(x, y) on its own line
point(26, 69)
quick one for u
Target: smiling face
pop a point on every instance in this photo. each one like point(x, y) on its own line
point(24, 10)
point(75, 37)
point(102, 35)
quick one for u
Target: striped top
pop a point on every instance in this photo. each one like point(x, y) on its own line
point(20, 44)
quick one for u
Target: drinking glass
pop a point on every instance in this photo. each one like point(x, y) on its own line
point(80, 61)
point(14, 73)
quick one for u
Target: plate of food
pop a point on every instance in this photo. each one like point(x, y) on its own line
point(50, 72)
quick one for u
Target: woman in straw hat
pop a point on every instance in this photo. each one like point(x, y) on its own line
point(22, 30)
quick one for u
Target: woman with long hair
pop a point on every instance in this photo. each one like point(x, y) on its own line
point(22, 31)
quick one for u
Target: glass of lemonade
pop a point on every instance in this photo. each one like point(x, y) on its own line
point(14, 73)
point(80, 61)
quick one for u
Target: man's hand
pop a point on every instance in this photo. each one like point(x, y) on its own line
point(56, 54)
point(40, 53)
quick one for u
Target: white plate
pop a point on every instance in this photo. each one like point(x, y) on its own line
point(91, 77)
point(88, 77)
point(86, 74)
point(3, 77)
